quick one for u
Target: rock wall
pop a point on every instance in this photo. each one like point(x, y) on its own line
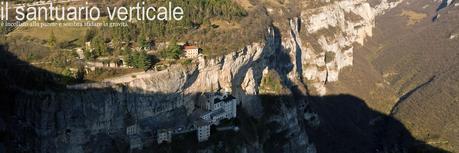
point(73, 121)
point(331, 32)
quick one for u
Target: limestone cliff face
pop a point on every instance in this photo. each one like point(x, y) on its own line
point(310, 52)
point(331, 32)
point(305, 61)
point(335, 29)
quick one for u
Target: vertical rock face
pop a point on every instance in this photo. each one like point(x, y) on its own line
point(331, 32)
point(310, 52)
point(87, 121)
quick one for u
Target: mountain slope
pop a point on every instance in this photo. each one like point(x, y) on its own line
point(413, 56)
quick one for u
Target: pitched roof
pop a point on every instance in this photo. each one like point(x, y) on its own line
point(190, 47)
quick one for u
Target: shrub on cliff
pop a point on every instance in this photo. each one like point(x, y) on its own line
point(329, 56)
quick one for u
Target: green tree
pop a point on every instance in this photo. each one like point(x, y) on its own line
point(329, 56)
point(138, 60)
point(68, 75)
point(80, 74)
point(130, 59)
point(173, 51)
point(142, 41)
point(90, 55)
point(59, 59)
point(52, 40)
point(89, 34)
point(100, 48)
point(142, 60)
point(3, 31)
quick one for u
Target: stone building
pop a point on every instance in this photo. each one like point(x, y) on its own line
point(164, 135)
point(216, 108)
point(219, 107)
point(203, 131)
point(191, 51)
point(132, 130)
point(135, 141)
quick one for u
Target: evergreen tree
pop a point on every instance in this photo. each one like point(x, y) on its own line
point(89, 34)
point(141, 40)
point(173, 51)
point(52, 40)
point(130, 60)
point(100, 48)
point(143, 61)
point(79, 76)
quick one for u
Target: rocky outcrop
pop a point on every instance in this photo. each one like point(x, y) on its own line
point(334, 28)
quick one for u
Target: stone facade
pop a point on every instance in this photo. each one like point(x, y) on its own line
point(203, 132)
point(218, 107)
point(164, 135)
point(132, 130)
point(135, 141)
point(191, 51)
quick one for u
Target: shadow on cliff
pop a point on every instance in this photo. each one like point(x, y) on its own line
point(347, 124)
point(16, 74)
point(444, 3)
point(340, 123)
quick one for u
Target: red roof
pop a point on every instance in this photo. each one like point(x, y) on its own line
point(190, 47)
